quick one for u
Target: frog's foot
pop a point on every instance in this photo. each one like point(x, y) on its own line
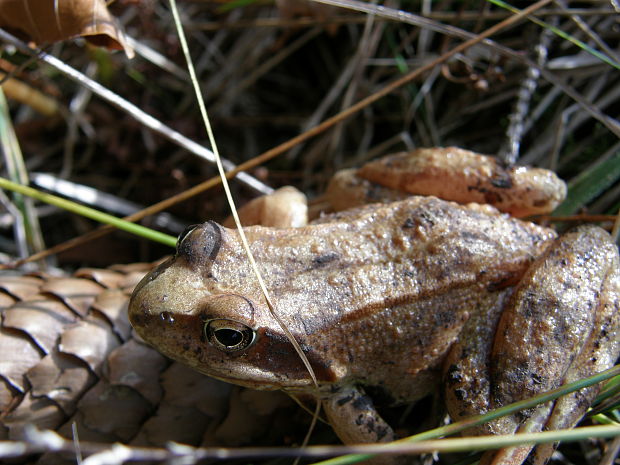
point(561, 324)
point(451, 174)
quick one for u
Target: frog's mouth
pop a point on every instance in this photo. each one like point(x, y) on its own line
point(253, 380)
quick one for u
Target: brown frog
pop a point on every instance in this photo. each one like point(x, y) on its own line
point(399, 296)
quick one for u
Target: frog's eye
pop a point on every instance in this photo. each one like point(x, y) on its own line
point(229, 335)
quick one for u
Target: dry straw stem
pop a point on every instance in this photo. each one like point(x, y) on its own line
point(100, 454)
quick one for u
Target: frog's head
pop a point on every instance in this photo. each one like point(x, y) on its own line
point(196, 309)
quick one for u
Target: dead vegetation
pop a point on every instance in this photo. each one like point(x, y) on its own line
point(269, 72)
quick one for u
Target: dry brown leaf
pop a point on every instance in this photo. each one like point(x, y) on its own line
point(47, 21)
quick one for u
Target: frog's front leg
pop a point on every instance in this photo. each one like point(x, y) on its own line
point(560, 324)
point(355, 420)
point(354, 417)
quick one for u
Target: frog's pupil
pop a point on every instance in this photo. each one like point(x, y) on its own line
point(228, 337)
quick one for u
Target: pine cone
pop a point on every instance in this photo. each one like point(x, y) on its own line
point(70, 356)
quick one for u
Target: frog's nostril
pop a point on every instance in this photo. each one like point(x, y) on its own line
point(167, 317)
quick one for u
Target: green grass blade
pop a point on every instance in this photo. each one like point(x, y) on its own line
point(480, 419)
point(90, 213)
point(16, 169)
point(590, 184)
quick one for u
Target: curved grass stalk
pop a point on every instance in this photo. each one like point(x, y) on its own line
point(492, 442)
point(89, 213)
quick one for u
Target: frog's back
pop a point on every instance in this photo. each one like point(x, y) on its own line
point(385, 255)
point(402, 280)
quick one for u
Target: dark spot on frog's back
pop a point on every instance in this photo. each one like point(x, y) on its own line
point(492, 198)
point(460, 394)
point(502, 281)
point(201, 245)
point(345, 400)
point(363, 403)
point(425, 215)
point(502, 181)
point(454, 374)
point(324, 259)
point(444, 319)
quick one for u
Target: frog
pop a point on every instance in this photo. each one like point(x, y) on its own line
point(407, 296)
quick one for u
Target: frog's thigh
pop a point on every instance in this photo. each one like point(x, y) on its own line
point(562, 323)
point(354, 417)
point(600, 352)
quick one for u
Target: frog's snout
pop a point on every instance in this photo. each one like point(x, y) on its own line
point(162, 298)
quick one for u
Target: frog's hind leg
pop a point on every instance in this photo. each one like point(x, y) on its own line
point(600, 351)
point(561, 324)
